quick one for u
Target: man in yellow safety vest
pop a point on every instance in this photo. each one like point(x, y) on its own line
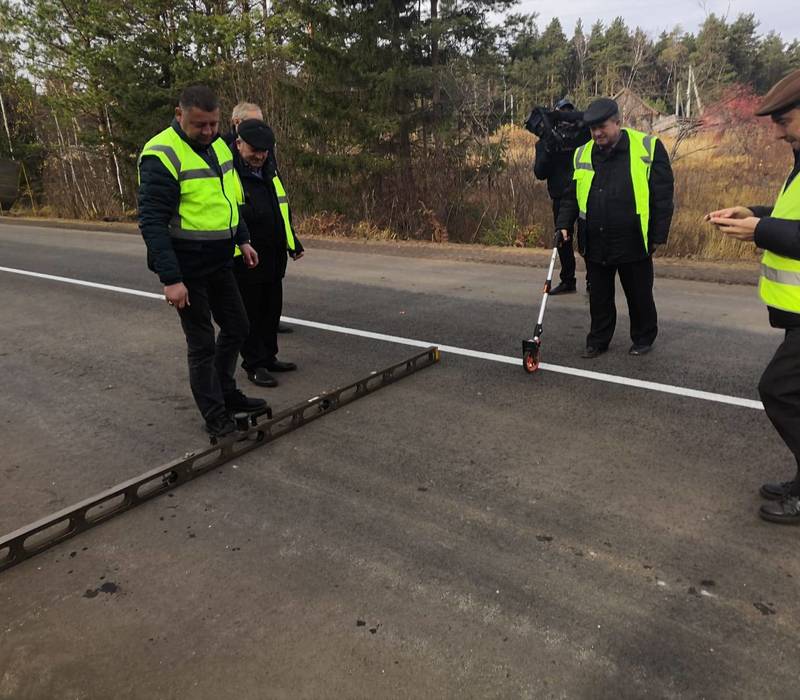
point(243, 111)
point(776, 230)
point(621, 196)
point(269, 220)
point(189, 219)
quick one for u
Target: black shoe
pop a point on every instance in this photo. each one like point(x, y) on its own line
point(563, 288)
point(278, 366)
point(786, 511)
point(285, 329)
point(237, 401)
point(220, 426)
point(776, 491)
point(637, 349)
point(260, 377)
point(592, 351)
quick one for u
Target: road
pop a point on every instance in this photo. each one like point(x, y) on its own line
point(471, 531)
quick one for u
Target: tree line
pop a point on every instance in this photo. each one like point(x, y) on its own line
point(386, 110)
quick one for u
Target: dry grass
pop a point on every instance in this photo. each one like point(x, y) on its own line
point(720, 169)
point(335, 225)
point(713, 169)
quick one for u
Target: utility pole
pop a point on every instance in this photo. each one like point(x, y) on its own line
point(693, 81)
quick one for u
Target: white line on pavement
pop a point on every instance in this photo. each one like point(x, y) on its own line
point(464, 352)
point(84, 283)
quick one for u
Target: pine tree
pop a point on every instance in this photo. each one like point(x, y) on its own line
point(743, 45)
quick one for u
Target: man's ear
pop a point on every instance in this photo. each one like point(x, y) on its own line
point(178, 113)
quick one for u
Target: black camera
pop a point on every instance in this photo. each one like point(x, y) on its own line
point(558, 127)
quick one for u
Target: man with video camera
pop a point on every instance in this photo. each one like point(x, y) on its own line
point(560, 133)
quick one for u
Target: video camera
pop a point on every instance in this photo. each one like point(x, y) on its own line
point(556, 126)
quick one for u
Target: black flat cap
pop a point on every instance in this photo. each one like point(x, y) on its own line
point(257, 134)
point(782, 96)
point(601, 109)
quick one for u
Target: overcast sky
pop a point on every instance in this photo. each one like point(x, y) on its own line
point(656, 15)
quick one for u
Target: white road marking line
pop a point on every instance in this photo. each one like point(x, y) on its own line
point(464, 352)
point(509, 360)
point(83, 283)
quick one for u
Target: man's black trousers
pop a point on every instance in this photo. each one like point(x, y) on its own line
point(780, 392)
point(212, 361)
point(637, 282)
point(263, 301)
point(566, 254)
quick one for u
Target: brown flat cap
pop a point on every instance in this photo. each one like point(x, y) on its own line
point(783, 95)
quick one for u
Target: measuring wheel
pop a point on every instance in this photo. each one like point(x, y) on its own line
point(531, 351)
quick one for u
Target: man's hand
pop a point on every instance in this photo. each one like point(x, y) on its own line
point(565, 237)
point(743, 229)
point(176, 295)
point(297, 255)
point(249, 254)
point(729, 213)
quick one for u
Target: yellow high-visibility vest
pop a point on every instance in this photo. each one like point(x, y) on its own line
point(642, 148)
point(779, 285)
point(208, 209)
point(283, 205)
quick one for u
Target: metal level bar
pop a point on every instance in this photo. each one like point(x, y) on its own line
point(49, 531)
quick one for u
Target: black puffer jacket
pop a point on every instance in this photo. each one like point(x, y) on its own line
point(782, 237)
point(612, 233)
point(171, 259)
point(265, 223)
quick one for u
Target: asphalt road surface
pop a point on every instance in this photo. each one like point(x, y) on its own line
point(470, 531)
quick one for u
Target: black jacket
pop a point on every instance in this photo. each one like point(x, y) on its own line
point(782, 237)
point(171, 259)
point(612, 232)
point(554, 163)
point(265, 223)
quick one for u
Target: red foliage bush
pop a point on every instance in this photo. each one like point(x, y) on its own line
point(735, 108)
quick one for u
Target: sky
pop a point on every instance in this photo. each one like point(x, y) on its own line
point(657, 15)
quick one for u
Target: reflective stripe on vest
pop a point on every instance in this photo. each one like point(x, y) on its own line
point(207, 210)
point(779, 285)
point(283, 205)
point(205, 172)
point(642, 148)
